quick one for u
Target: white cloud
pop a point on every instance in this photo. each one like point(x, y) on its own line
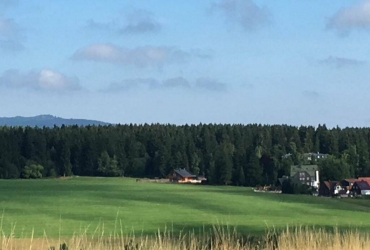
point(44, 79)
point(340, 62)
point(146, 56)
point(243, 12)
point(356, 15)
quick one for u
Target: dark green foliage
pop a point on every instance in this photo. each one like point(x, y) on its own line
point(32, 171)
point(225, 154)
point(332, 168)
point(108, 166)
point(292, 187)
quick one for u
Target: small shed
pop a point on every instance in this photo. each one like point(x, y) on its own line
point(184, 176)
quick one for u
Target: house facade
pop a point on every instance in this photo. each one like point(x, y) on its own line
point(360, 188)
point(306, 174)
point(314, 156)
point(183, 176)
point(332, 188)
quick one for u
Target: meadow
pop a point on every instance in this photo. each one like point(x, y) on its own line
point(79, 205)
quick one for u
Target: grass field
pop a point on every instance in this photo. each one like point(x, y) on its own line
point(68, 206)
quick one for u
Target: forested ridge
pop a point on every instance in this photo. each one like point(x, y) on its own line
point(226, 154)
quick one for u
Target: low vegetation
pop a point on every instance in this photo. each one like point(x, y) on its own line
point(61, 207)
point(219, 238)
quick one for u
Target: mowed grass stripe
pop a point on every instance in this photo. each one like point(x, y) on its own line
point(66, 206)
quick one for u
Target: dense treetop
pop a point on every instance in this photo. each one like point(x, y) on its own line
point(226, 154)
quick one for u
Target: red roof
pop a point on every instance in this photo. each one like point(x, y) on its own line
point(367, 179)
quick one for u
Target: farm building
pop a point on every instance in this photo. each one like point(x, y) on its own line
point(183, 176)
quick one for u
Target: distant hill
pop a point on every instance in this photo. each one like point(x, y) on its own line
point(46, 120)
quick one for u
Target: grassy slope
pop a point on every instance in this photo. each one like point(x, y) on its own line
point(81, 202)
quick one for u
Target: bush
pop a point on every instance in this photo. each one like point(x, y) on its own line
point(32, 171)
point(291, 187)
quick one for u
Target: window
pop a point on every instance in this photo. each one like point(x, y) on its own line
point(308, 178)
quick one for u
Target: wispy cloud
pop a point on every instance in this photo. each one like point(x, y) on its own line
point(10, 45)
point(10, 35)
point(311, 94)
point(91, 24)
point(146, 56)
point(178, 83)
point(44, 79)
point(140, 21)
point(210, 84)
point(8, 3)
point(341, 62)
point(132, 84)
point(356, 16)
point(243, 12)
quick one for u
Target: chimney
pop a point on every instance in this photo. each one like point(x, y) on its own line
point(317, 175)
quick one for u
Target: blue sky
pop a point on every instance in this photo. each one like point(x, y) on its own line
point(212, 61)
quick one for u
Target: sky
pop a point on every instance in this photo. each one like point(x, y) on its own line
point(187, 62)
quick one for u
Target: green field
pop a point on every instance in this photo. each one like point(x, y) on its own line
point(66, 206)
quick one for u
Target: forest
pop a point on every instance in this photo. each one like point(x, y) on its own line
point(226, 154)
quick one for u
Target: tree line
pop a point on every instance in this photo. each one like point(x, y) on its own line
point(226, 154)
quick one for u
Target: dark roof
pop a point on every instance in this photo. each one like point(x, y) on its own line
point(310, 169)
point(363, 185)
point(351, 180)
point(183, 173)
point(327, 184)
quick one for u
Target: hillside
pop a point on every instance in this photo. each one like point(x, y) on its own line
point(46, 120)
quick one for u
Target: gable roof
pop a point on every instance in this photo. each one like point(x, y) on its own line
point(363, 185)
point(327, 184)
point(331, 184)
point(183, 173)
point(310, 169)
point(367, 179)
